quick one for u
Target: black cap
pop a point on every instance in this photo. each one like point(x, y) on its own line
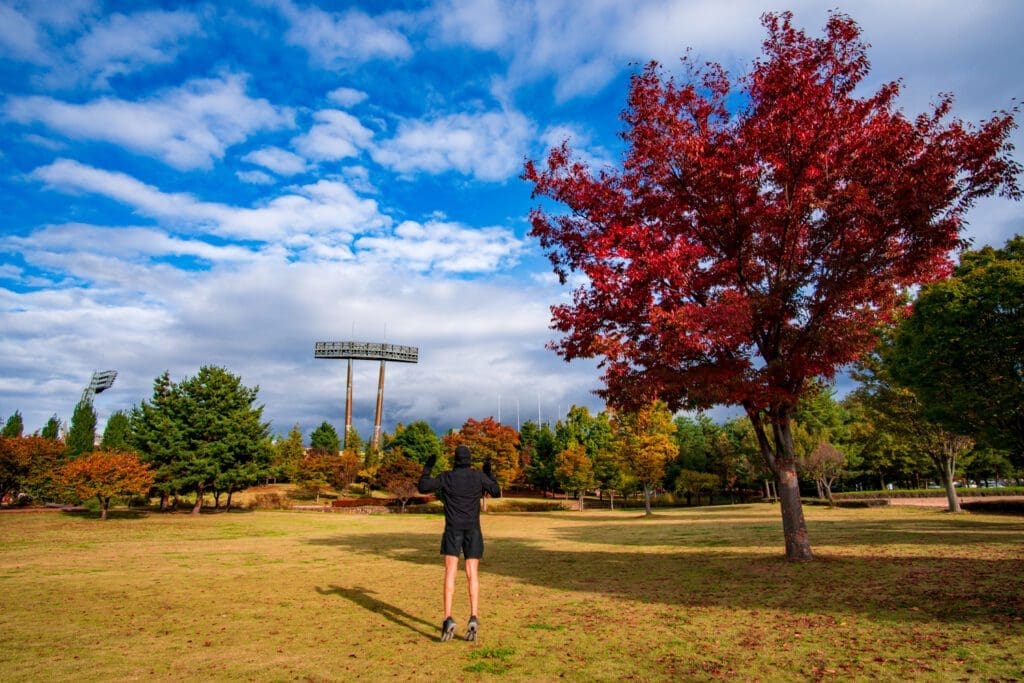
point(462, 457)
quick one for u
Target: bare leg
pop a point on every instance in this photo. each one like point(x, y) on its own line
point(473, 574)
point(451, 568)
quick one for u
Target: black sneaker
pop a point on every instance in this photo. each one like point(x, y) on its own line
point(447, 629)
point(471, 628)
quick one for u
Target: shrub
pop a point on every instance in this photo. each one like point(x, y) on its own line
point(269, 501)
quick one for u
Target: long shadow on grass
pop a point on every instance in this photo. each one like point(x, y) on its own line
point(918, 588)
point(363, 598)
point(947, 530)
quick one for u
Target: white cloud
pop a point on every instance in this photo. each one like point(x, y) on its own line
point(280, 161)
point(188, 127)
point(335, 135)
point(346, 97)
point(255, 177)
point(445, 247)
point(334, 39)
point(123, 44)
point(319, 208)
point(488, 146)
point(260, 318)
point(19, 37)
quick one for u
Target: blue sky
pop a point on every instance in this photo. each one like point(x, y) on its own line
point(226, 183)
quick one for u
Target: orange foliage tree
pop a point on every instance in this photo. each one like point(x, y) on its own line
point(27, 464)
point(106, 474)
point(489, 440)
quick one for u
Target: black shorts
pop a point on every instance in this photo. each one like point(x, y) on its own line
point(470, 542)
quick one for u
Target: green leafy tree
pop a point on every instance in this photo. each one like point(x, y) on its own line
point(593, 432)
point(203, 434)
point(988, 465)
point(897, 412)
point(288, 453)
point(225, 436)
point(538, 451)
point(693, 437)
point(158, 432)
point(14, 427)
point(574, 471)
point(325, 438)
point(961, 349)
point(417, 441)
point(82, 435)
point(355, 443)
point(692, 484)
point(51, 430)
point(117, 436)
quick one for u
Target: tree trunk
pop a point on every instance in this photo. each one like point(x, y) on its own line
point(782, 461)
point(227, 505)
point(611, 500)
point(104, 504)
point(827, 484)
point(581, 501)
point(199, 499)
point(798, 543)
point(647, 500)
point(947, 468)
point(164, 499)
point(216, 498)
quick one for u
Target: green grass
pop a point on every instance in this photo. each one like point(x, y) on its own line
point(895, 594)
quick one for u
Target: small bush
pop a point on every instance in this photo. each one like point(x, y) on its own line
point(268, 501)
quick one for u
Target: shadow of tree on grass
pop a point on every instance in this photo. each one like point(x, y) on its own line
point(900, 588)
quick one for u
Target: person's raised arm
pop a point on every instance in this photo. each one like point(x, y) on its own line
point(490, 485)
point(428, 483)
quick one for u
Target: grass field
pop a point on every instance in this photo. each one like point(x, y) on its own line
point(896, 594)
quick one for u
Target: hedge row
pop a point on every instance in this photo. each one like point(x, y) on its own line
point(1011, 507)
point(931, 493)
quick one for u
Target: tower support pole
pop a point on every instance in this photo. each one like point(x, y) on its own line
point(348, 406)
point(380, 409)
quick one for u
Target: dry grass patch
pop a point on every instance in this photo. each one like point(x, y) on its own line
point(896, 594)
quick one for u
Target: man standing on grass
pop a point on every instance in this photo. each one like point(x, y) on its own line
point(460, 490)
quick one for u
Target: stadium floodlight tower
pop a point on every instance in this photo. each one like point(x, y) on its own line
point(100, 382)
point(352, 350)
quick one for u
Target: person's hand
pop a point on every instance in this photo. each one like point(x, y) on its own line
point(487, 467)
point(429, 465)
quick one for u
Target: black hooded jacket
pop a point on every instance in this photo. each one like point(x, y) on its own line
point(461, 490)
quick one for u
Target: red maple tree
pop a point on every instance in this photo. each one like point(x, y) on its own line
point(742, 251)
